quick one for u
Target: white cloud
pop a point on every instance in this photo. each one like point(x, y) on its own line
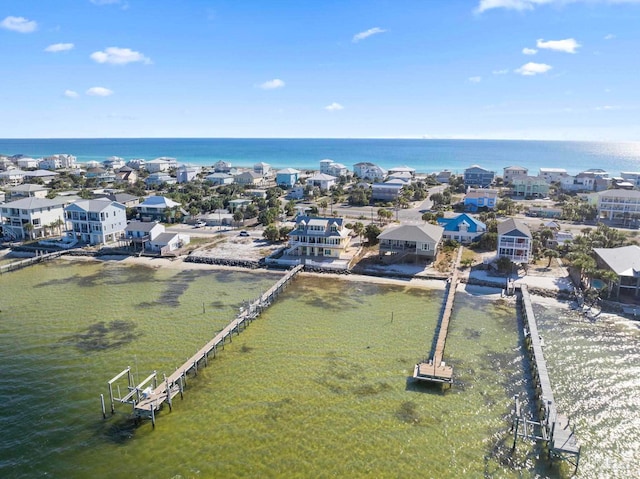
point(567, 45)
point(608, 108)
point(521, 5)
point(366, 34)
point(500, 72)
point(99, 91)
point(610, 36)
point(272, 84)
point(529, 51)
point(334, 107)
point(19, 24)
point(476, 79)
point(119, 56)
point(531, 68)
point(59, 47)
point(71, 94)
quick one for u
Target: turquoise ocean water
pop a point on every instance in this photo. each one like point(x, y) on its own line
point(425, 156)
point(316, 387)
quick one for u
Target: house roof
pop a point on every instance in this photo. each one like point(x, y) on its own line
point(287, 171)
point(516, 168)
point(32, 203)
point(144, 226)
point(28, 188)
point(94, 205)
point(624, 261)
point(122, 197)
point(452, 224)
point(418, 233)
point(481, 193)
point(513, 227)
point(159, 202)
point(619, 193)
point(12, 172)
point(40, 173)
point(164, 238)
point(321, 177)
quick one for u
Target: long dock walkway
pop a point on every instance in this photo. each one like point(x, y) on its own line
point(552, 427)
point(23, 263)
point(146, 401)
point(436, 370)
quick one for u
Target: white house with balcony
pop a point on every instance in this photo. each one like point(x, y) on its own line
point(322, 181)
point(98, 221)
point(319, 237)
point(366, 169)
point(514, 241)
point(619, 205)
point(40, 213)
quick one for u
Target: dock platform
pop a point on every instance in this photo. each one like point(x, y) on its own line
point(435, 369)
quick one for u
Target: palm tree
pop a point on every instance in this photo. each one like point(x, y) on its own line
point(550, 253)
point(28, 229)
point(358, 228)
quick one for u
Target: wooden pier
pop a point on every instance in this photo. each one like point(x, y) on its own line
point(146, 401)
point(23, 263)
point(550, 427)
point(435, 369)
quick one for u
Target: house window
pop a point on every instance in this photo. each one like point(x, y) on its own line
point(327, 252)
point(426, 247)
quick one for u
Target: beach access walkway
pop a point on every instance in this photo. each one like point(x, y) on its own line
point(148, 396)
point(435, 369)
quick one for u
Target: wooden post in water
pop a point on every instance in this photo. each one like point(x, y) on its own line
point(166, 385)
point(153, 414)
point(104, 414)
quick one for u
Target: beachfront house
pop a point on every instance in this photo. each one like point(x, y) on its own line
point(480, 199)
point(514, 241)
point(530, 186)
point(462, 228)
point(410, 242)
point(625, 263)
point(477, 177)
point(59, 161)
point(159, 208)
point(331, 168)
point(553, 174)
point(368, 170)
point(166, 243)
point(98, 221)
point(402, 169)
point(222, 166)
point(137, 234)
point(262, 168)
point(161, 164)
point(318, 237)
point(510, 172)
point(444, 176)
point(30, 218)
point(619, 205)
point(287, 177)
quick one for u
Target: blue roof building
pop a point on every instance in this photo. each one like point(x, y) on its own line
point(463, 228)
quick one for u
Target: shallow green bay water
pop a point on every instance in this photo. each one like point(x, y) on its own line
point(316, 387)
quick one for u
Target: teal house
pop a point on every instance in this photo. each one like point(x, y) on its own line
point(287, 177)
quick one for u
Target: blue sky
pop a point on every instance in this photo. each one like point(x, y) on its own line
point(525, 69)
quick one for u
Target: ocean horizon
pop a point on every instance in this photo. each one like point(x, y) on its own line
point(425, 155)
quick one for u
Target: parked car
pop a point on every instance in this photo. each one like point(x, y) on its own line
point(244, 233)
point(200, 224)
